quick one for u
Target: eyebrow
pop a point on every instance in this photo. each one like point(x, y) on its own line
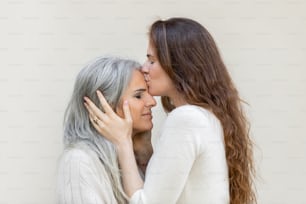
point(140, 90)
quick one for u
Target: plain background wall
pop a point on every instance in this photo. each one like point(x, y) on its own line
point(44, 44)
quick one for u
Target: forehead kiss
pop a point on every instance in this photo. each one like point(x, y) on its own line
point(140, 103)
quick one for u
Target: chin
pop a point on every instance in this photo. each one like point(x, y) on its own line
point(144, 128)
point(150, 127)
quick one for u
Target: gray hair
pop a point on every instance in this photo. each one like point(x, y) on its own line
point(110, 75)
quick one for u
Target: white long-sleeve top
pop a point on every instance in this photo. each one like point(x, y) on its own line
point(82, 179)
point(188, 165)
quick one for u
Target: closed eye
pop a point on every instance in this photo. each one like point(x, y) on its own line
point(150, 58)
point(138, 93)
point(138, 96)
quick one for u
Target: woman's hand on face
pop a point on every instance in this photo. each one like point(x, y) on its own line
point(114, 128)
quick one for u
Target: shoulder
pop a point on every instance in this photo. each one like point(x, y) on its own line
point(78, 155)
point(81, 177)
point(80, 162)
point(76, 151)
point(191, 115)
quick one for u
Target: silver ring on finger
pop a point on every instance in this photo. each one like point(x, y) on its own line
point(96, 120)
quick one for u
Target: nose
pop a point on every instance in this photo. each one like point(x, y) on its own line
point(151, 102)
point(145, 68)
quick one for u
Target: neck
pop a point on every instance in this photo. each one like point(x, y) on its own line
point(177, 99)
point(134, 133)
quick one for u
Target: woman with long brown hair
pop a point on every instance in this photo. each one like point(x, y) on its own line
point(204, 153)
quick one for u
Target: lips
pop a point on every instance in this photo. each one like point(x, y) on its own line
point(146, 77)
point(147, 115)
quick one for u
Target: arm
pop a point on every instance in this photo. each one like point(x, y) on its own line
point(130, 176)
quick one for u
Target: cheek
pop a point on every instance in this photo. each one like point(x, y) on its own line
point(136, 109)
point(159, 76)
point(153, 72)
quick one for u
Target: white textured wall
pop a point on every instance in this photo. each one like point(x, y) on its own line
point(44, 43)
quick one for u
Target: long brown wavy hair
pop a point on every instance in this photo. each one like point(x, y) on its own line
point(189, 55)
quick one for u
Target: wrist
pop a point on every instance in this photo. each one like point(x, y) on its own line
point(124, 145)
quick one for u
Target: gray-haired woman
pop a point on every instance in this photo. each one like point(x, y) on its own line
point(88, 168)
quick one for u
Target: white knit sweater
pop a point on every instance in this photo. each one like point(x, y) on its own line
point(188, 165)
point(82, 179)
